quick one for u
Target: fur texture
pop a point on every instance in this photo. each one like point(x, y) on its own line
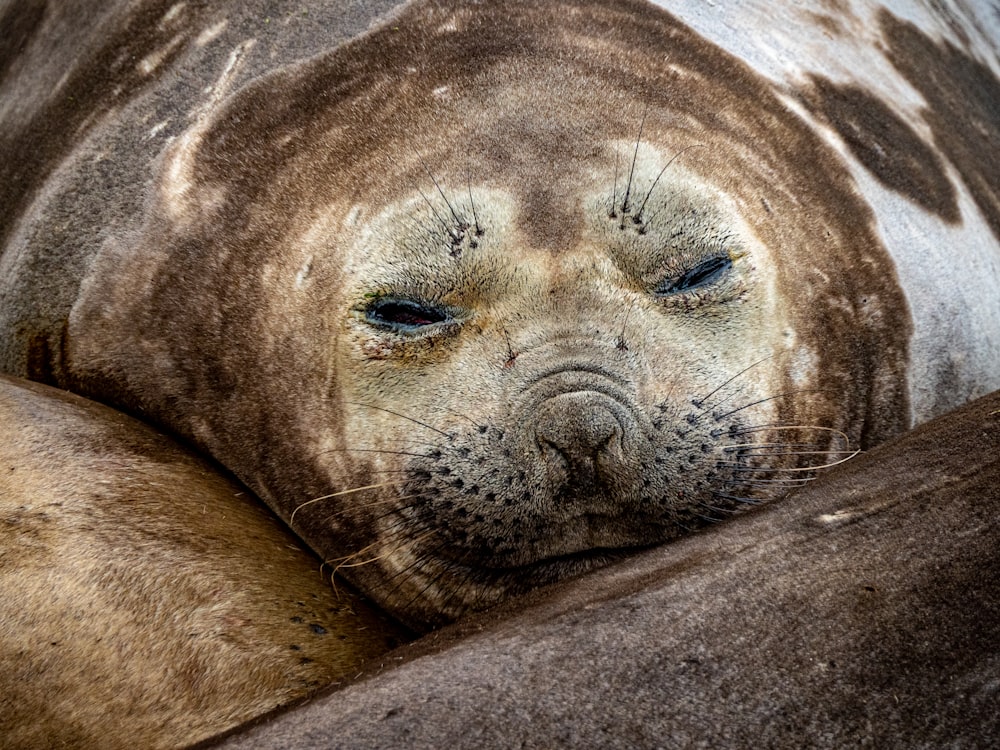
point(148, 600)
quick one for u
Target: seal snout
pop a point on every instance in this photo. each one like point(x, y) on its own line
point(580, 436)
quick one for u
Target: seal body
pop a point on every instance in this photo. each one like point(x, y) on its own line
point(497, 292)
point(147, 600)
point(865, 611)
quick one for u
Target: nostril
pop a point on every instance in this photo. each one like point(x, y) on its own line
point(552, 453)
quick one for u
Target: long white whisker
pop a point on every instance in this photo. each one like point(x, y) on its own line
point(351, 491)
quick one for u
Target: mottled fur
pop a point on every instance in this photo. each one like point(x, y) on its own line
point(443, 296)
point(566, 401)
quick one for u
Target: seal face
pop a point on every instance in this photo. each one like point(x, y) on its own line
point(496, 293)
point(531, 324)
point(556, 441)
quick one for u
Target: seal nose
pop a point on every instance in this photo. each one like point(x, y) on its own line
point(579, 436)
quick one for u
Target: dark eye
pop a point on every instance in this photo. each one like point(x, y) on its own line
point(402, 314)
point(703, 274)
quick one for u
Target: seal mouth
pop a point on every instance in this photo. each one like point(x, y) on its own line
point(516, 579)
point(576, 550)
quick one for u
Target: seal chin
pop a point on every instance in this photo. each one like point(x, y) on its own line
point(433, 590)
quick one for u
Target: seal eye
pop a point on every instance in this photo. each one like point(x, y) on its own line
point(705, 273)
point(401, 314)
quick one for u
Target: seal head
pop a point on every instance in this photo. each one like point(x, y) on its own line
point(481, 305)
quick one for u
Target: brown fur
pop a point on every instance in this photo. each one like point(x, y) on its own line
point(147, 600)
point(217, 275)
point(287, 207)
point(199, 206)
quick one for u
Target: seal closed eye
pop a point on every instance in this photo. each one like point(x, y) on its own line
point(403, 315)
point(704, 274)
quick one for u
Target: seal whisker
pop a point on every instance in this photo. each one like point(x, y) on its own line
point(461, 415)
point(720, 417)
point(454, 237)
point(432, 580)
point(427, 225)
point(475, 216)
point(637, 218)
point(405, 442)
point(394, 510)
point(291, 518)
point(375, 450)
point(700, 403)
point(459, 222)
point(777, 426)
point(798, 446)
point(746, 452)
point(511, 354)
point(373, 504)
point(727, 511)
point(683, 527)
point(736, 498)
point(613, 213)
point(398, 531)
point(631, 172)
point(702, 516)
point(851, 454)
point(744, 467)
point(620, 344)
point(461, 225)
point(345, 564)
point(479, 592)
point(392, 471)
point(389, 471)
point(796, 482)
point(401, 416)
point(402, 576)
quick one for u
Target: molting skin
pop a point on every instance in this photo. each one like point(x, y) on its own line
point(494, 294)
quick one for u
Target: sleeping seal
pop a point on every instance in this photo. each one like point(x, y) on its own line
point(495, 293)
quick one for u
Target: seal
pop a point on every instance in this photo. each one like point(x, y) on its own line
point(807, 642)
point(496, 293)
point(148, 600)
